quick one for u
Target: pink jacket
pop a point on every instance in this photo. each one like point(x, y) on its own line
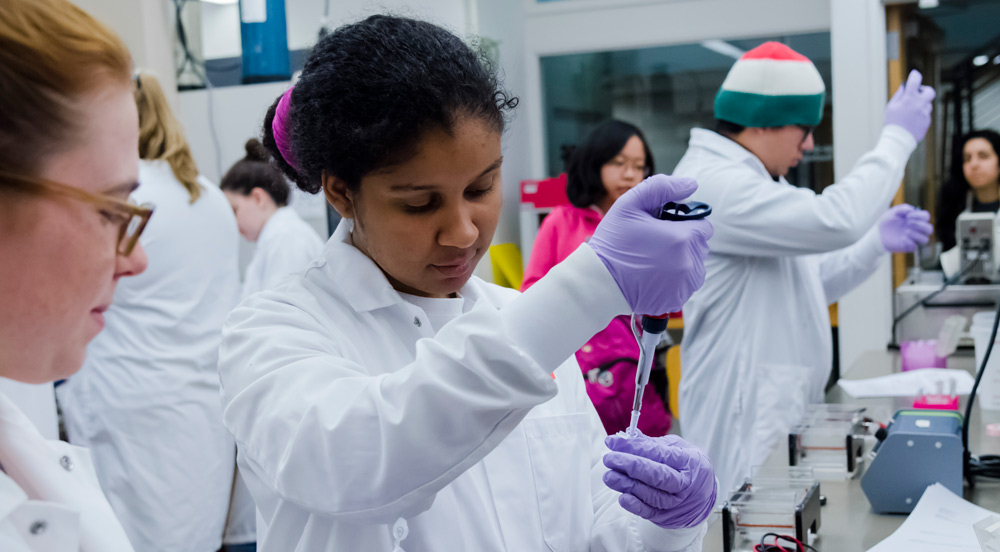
point(609, 359)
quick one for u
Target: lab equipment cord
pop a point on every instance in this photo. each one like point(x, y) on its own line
point(948, 282)
point(987, 465)
point(776, 547)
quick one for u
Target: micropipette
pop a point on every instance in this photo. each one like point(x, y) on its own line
point(654, 326)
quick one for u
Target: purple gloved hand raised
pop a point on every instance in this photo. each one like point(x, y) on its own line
point(665, 479)
point(657, 264)
point(910, 106)
point(903, 227)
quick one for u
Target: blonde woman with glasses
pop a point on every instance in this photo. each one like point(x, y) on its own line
point(146, 402)
point(68, 235)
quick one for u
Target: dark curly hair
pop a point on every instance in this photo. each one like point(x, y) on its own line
point(584, 186)
point(955, 192)
point(371, 89)
point(256, 170)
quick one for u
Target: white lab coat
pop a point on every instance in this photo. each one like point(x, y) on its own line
point(358, 425)
point(146, 401)
point(50, 500)
point(757, 342)
point(286, 243)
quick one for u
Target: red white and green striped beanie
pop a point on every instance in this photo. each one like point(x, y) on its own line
point(771, 86)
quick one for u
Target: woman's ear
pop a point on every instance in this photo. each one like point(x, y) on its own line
point(258, 196)
point(338, 195)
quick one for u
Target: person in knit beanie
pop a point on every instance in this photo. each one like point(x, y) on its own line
point(757, 345)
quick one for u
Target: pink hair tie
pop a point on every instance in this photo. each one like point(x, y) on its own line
point(280, 129)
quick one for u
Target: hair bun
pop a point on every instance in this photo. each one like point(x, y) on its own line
point(256, 151)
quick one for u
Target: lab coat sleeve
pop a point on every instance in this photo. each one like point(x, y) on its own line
point(842, 270)
point(543, 253)
point(323, 433)
point(616, 529)
point(766, 219)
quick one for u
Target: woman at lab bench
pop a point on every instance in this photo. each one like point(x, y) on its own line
point(68, 234)
point(147, 399)
point(976, 189)
point(258, 193)
point(613, 159)
point(386, 399)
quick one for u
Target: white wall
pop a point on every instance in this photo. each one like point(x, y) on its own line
point(859, 95)
point(146, 27)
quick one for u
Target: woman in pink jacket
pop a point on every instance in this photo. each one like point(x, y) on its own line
point(613, 159)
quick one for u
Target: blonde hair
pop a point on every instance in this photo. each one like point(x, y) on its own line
point(161, 136)
point(51, 54)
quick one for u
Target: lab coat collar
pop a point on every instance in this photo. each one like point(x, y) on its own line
point(722, 146)
point(364, 285)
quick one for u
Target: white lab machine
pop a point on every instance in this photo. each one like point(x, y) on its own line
point(976, 239)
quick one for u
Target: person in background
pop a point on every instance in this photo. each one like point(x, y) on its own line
point(613, 159)
point(147, 399)
point(68, 237)
point(976, 189)
point(258, 193)
point(385, 398)
point(757, 340)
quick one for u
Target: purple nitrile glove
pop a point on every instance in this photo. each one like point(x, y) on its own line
point(665, 479)
point(910, 106)
point(903, 227)
point(656, 263)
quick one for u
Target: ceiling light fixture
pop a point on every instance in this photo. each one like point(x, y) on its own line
point(979, 61)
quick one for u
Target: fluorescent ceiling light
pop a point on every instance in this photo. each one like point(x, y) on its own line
point(979, 61)
point(996, 60)
point(928, 4)
point(723, 47)
point(220, 2)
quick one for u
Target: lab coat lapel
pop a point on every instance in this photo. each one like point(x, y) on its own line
point(364, 285)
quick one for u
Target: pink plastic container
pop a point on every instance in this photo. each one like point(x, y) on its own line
point(920, 354)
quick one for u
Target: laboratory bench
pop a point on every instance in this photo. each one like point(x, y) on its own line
point(847, 523)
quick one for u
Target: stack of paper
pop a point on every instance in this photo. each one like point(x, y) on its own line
point(924, 381)
point(941, 522)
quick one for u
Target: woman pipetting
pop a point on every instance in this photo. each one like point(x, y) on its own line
point(258, 194)
point(68, 162)
point(613, 159)
point(385, 399)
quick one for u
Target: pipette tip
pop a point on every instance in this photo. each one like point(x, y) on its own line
point(633, 425)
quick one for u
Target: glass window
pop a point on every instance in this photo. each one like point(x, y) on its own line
point(665, 91)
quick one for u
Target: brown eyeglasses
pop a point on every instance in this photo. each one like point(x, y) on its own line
point(130, 218)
